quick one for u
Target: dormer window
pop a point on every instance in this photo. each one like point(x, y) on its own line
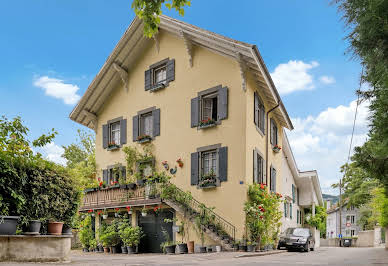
point(159, 75)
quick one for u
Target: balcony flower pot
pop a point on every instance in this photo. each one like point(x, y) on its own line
point(207, 123)
point(182, 248)
point(242, 248)
point(123, 186)
point(32, 228)
point(190, 246)
point(132, 186)
point(131, 249)
point(55, 228)
point(67, 230)
point(141, 182)
point(113, 146)
point(124, 250)
point(100, 248)
point(85, 250)
point(8, 225)
point(143, 214)
point(209, 249)
point(202, 249)
point(144, 139)
point(87, 190)
point(105, 216)
point(170, 249)
point(106, 249)
point(113, 250)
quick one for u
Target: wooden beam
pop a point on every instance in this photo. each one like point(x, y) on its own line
point(91, 117)
point(189, 47)
point(123, 75)
point(242, 71)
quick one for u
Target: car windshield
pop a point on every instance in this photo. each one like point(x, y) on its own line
point(298, 231)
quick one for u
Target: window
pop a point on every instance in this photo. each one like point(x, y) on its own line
point(209, 107)
point(209, 166)
point(347, 232)
point(259, 113)
point(160, 74)
point(352, 219)
point(290, 210)
point(293, 193)
point(258, 168)
point(297, 216)
point(209, 162)
point(274, 133)
point(113, 174)
point(352, 232)
point(273, 180)
point(114, 136)
point(146, 124)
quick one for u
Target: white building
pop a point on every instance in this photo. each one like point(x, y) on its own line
point(349, 218)
point(301, 190)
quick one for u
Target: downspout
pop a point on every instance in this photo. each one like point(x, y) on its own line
point(266, 143)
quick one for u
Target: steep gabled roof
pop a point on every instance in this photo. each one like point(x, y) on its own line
point(133, 43)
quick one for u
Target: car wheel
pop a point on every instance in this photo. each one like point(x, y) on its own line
point(307, 248)
point(312, 249)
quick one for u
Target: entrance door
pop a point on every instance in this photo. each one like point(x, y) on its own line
point(152, 226)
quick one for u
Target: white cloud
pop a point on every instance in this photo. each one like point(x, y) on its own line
point(327, 79)
point(53, 152)
point(322, 142)
point(294, 76)
point(58, 89)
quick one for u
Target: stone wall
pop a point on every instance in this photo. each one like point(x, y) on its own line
point(42, 248)
point(366, 238)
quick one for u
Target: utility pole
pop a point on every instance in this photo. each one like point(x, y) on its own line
point(340, 209)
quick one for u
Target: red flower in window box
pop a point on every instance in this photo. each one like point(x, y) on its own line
point(117, 209)
point(262, 186)
point(90, 211)
point(100, 184)
point(128, 208)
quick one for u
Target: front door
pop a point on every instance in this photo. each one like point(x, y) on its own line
point(152, 226)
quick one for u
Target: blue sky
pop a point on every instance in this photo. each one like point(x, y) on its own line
point(47, 43)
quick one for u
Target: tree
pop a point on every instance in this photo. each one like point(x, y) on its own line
point(318, 220)
point(149, 11)
point(367, 22)
point(81, 160)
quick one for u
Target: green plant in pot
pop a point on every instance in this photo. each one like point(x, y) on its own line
point(93, 245)
point(200, 231)
point(182, 247)
point(110, 238)
point(86, 233)
point(168, 246)
point(131, 237)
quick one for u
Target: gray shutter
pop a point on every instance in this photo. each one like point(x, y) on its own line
point(135, 127)
point(123, 131)
point(195, 112)
point(105, 136)
point(105, 176)
point(262, 114)
point(297, 196)
point(265, 180)
point(148, 79)
point(194, 168)
point(222, 103)
point(124, 172)
point(156, 122)
point(285, 209)
point(170, 75)
point(290, 210)
point(256, 108)
point(223, 164)
point(271, 139)
point(255, 166)
point(293, 193)
point(274, 180)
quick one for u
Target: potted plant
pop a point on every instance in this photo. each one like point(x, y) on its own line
point(243, 246)
point(200, 230)
point(131, 237)
point(113, 146)
point(144, 138)
point(182, 247)
point(251, 246)
point(168, 247)
point(208, 180)
point(32, 227)
point(93, 245)
point(86, 233)
point(276, 148)
point(205, 123)
point(144, 212)
point(104, 214)
point(129, 210)
point(54, 227)
point(117, 214)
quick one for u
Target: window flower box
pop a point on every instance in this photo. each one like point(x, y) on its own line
point(276, 148)
point(87, 190)
point(208, 181)
point(157, 87)
point(144, 139)
point(113, 146)
point(207, 123)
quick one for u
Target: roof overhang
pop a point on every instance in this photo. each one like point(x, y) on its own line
point(133, 43)
point(312, 176)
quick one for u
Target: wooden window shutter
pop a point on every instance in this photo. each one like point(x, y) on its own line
point(123, 131)
point(271, 139)
point(135, 127)
point(222, 103)
point(123, 172)
point(262, 114)
point(156, 122)
point(170, 69)
point(195, 112)
point(255, 168)
point(256, 108)
point(223, 164)
point(285, 209)
point(105, 176)
point(194, 168)
point(265, 180)
point(290, 210)
point(105, 137)
point(297, 196)
point(293, 193)
point(148, 79)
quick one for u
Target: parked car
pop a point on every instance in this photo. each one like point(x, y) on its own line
point(298, 238)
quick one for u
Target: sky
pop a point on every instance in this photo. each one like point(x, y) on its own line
point(50, 51)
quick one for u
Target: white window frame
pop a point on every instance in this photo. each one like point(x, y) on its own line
point(142, 126)
point(213, 161)
point(209, 97)
point(112, 131)
point(162, 68)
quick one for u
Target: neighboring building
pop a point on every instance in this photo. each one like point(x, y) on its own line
point(349, 218)
point(164, 88)
point(301, 190)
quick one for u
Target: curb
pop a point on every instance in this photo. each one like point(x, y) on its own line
point(257, 254)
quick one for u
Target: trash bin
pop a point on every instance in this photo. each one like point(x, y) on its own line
point(347, 242)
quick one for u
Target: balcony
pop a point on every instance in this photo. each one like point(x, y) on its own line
point(121, 197)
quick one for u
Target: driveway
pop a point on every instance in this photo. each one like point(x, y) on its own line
point(322, 256)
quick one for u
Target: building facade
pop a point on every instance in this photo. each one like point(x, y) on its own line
point(196, 96)
point(349, 217)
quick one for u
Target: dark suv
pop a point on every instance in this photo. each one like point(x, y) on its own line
point(297, 238)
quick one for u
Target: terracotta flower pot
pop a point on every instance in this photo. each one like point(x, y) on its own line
point(55, 228)
point(190, 246)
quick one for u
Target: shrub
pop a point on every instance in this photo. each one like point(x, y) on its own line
point(86, 233)
point(131, 235)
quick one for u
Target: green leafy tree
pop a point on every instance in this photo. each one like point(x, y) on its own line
point(318, 220)
point(149, 11)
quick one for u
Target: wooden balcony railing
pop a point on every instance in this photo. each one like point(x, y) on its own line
point(120, 197)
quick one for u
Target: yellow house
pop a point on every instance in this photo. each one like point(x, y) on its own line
point(195, 95)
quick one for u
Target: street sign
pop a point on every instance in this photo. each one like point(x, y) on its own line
point(348, 224)
point(340, 235)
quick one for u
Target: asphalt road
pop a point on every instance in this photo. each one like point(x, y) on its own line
point(322, 256)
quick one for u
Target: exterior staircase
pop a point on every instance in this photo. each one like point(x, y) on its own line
point(218, 229)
